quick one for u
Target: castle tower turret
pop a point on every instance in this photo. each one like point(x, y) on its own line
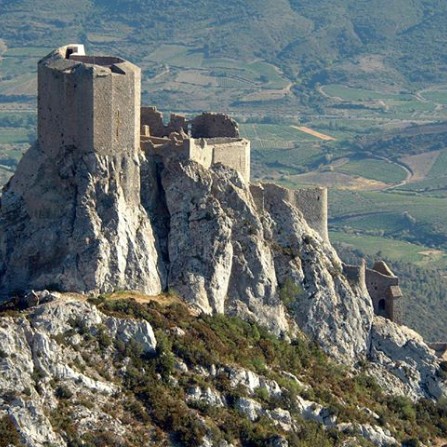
point(81, 226)
point(383, 287)
point(88, 102)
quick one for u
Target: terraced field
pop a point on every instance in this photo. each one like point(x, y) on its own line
point(380, 170)
point(376, 246)
point(401, 105)
point(248, 81)
point(405, 216)
point(434, 182)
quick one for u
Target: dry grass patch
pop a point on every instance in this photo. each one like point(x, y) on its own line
point(420, 164)
point(319, 135)
point(164, 299)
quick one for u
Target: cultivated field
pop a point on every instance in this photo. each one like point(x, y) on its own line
point(375, 246)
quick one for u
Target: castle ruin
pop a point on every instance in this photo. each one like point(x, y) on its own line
point(208, 139)
point(91, 105)
point(382, 286)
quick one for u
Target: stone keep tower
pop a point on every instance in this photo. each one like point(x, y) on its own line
point(81, 225)
point(88, 102)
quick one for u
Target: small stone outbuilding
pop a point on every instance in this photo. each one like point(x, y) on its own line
point(383, 287)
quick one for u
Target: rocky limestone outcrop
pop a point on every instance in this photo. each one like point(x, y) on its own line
point(402, 363)
point(331, 310)
point(65, 360)
point(377, 435)
point(90, 222)
point(41, 360)
point(226, 255)
point(75, 223)
point(219, 258)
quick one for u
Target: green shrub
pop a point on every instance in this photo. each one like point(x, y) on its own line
point(289, 292)
point(102, 439)
point(8, 433)
point(403, 407)
point(170, 413)
point(165, 358)
point(63, 392)
point(262, 394)
point(103, 337)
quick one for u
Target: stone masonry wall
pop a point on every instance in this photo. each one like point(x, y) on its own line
point(234, 153)
point(200, 151)
point(214, 125)
point(311, 202)
point(356, 274)
point(151, 117)
point(90, 107)
point(378, 285)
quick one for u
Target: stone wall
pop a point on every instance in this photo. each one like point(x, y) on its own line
point(200, 151)
point(383, 288)
point(87, 106)
point(152, 118)
point(214, 125)
point(257, 192)
point(356, 274)
point(312, 203)
point(232, 152)
point(165, 149)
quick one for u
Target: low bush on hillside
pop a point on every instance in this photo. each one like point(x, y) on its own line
point(8, 433)
point(218, 341)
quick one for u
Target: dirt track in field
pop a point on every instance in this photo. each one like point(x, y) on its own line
point(319, 135)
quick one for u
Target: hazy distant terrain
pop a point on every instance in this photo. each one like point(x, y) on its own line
point(351, 95)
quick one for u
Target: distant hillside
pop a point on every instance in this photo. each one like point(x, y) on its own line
point(311, 41)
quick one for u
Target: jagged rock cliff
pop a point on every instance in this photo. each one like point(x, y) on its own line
point(76, 224)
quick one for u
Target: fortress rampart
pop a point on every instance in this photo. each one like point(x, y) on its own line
point(312, 202)
point(208, 139)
